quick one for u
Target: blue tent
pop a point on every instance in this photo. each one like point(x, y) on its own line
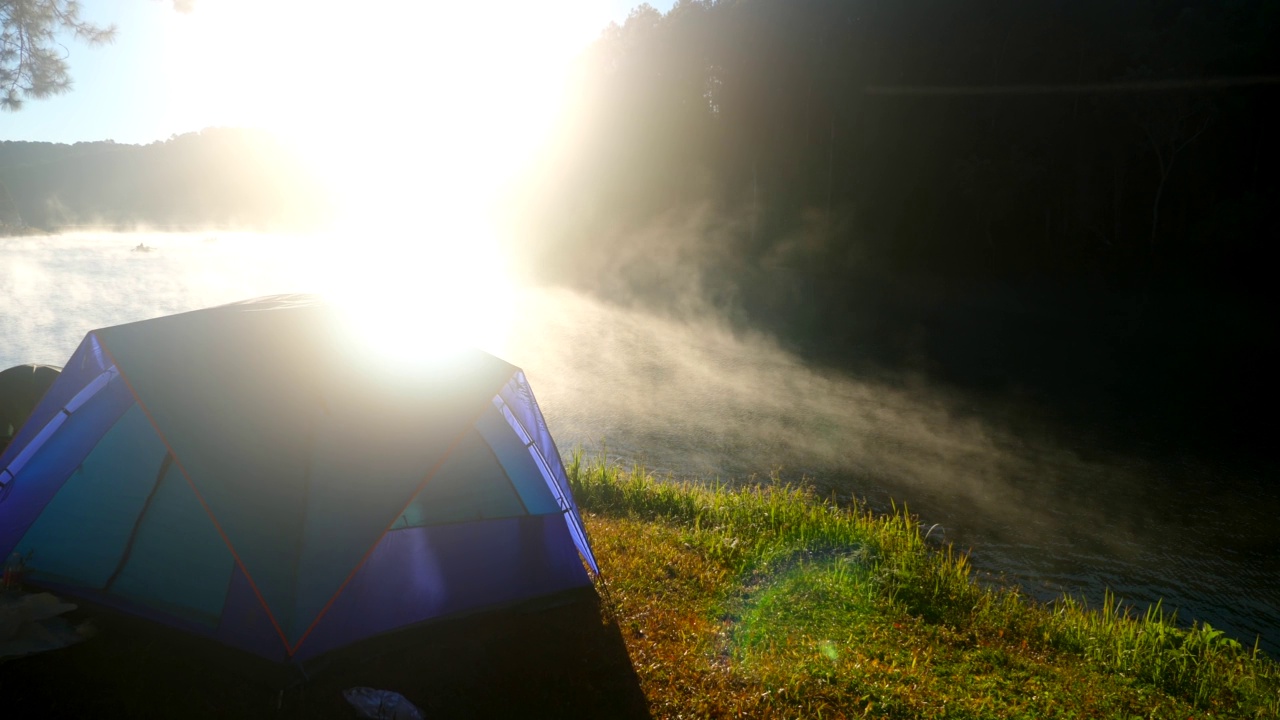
point(246, 474)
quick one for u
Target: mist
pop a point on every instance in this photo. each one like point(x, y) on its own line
point(692, 394)
point(693, 398)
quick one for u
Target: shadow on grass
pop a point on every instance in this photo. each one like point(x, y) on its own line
point(560, 660)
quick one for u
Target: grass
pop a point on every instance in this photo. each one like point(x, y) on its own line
point(767, 601)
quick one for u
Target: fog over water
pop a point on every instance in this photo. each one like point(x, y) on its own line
point(690, 397)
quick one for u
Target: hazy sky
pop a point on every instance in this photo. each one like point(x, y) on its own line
point(314, 67)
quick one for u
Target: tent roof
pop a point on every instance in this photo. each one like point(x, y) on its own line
point(286, 431)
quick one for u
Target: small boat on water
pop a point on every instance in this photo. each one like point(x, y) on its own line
point(143, 247)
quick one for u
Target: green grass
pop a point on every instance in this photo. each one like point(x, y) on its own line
point(767, 601)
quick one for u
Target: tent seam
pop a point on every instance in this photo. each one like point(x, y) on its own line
point(497, 461)
point(430, 474)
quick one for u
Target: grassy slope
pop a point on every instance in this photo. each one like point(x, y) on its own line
point(769, 602)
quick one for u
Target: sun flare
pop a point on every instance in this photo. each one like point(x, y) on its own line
point(413, 302)
point(417, 116)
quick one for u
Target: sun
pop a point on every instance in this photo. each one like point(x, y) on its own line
point(409, 303)
point(417, 116)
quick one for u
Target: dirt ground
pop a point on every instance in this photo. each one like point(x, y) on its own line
point(559, 660)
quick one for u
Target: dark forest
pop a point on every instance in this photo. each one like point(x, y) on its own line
point(1066, 203)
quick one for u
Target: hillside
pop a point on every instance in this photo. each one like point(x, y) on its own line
point(216, 177)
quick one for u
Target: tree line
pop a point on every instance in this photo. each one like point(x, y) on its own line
point(217, 177)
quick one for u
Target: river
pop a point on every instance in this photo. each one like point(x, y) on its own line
point(689, 397)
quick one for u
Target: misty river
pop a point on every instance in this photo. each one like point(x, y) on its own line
point(692, 398)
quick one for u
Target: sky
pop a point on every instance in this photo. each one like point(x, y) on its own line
point(410, 110)
point(309, 68)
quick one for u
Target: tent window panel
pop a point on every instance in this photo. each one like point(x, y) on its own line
point(515, 458)
point(178, 563)
point(471, 485)
point(81, 535)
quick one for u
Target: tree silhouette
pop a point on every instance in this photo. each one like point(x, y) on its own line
point(33, 64)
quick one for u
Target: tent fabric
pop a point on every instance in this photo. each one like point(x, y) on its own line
point(519, 407)
point(248, 473)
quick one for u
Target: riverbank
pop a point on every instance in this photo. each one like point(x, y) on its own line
point(770, 602)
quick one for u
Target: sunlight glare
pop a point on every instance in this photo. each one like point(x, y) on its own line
point(418, 116)
point(410, 303)
point(403, 108)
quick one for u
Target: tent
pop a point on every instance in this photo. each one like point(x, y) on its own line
point(21, 387)
point(249, 474)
